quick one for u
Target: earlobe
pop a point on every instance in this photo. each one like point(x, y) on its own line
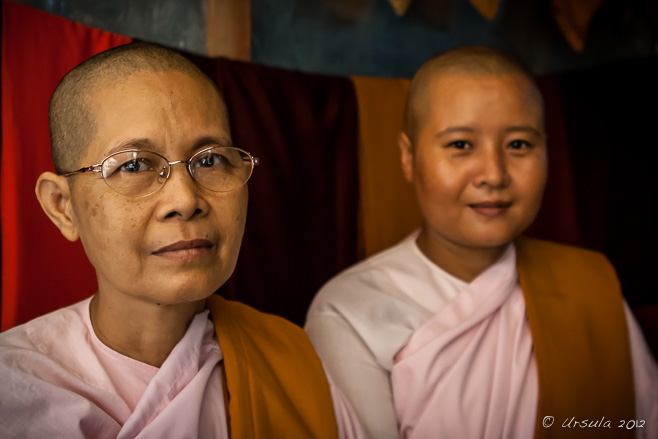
point(406, 156)
point(54, 195)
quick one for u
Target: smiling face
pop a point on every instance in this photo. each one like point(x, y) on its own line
point(478, 162)
point(181, 243)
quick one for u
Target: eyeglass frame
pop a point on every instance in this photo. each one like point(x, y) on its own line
point(99, 168)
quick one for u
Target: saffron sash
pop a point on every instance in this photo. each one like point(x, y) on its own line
point(575, 309)
point(275, 382)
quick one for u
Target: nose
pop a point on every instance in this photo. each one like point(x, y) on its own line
point(492, 169)
point(180, 196)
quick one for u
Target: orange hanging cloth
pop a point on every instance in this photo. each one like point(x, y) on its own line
point(388, 209)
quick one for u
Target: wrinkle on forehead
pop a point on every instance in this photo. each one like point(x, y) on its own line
point(174, 100)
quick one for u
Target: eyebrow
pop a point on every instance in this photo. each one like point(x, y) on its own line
point(212, 140)
point(142, 143)
point(145, 143)
point(512, 129)
point(524, 129)
point(457, 129)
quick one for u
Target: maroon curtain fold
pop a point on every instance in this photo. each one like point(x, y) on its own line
point(302, 219)
point(610, 114)
point(557, 219)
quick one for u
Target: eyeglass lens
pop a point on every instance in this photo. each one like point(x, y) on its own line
point(140, 173)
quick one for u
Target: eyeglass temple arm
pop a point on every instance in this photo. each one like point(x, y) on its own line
point(94, 168)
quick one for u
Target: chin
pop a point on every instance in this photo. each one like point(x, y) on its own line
point(489, 241)
point(175, 298)
point(176, 293)
point(491, 237)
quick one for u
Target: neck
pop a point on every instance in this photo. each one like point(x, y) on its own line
point(465, 263)
point(144, 331)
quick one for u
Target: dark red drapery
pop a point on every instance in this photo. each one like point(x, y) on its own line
point(302, 219)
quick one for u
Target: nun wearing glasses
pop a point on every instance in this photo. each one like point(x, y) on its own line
point(148, 179)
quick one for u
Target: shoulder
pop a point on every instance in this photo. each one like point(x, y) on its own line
point(564, 267)
point(273, 356)
point(549, 253)
point(53, 348)
point(249, 318)
point(39, 362)
point(239, 324)
point(554, 249)
point(377, 275)
point(46, 332)
point(371, 307)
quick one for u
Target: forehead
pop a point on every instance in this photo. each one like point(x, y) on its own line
point(168, 108)
point(509, 91)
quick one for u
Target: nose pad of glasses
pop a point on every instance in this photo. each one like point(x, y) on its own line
point(163, 174)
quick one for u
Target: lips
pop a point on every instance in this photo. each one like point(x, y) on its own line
point(491, 208)
point(183, 250)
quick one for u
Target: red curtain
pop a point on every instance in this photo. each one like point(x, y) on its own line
point(41, 271)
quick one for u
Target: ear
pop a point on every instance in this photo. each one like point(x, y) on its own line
point(406, 156)
point(54, 195)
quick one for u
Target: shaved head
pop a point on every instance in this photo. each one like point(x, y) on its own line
point(72, 121)
point(464, 61)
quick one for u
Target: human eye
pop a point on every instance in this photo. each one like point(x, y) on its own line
point(139, 164)
point(130, 163)
point(519, 145)
point(460, 144)
point(211, 160)
point(218, 159)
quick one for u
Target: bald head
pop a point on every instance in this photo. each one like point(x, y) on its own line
point(464, 61)
point(72, 121)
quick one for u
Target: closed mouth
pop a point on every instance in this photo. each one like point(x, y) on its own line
point(182, 246)
point(490, 209)
point(491, 205)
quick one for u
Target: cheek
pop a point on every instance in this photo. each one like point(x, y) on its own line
point(241, 206)
point(533, 181)
point(105, 227)
point(241, 216)
point(231, 212)
point(91, 221)
point(440, 182)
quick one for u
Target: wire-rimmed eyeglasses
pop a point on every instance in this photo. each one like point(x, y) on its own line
point(138, 173)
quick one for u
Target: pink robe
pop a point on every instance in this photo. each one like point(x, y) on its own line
point(400, 302)
point(470, 371)
point(59, 381)
point(472, 361)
